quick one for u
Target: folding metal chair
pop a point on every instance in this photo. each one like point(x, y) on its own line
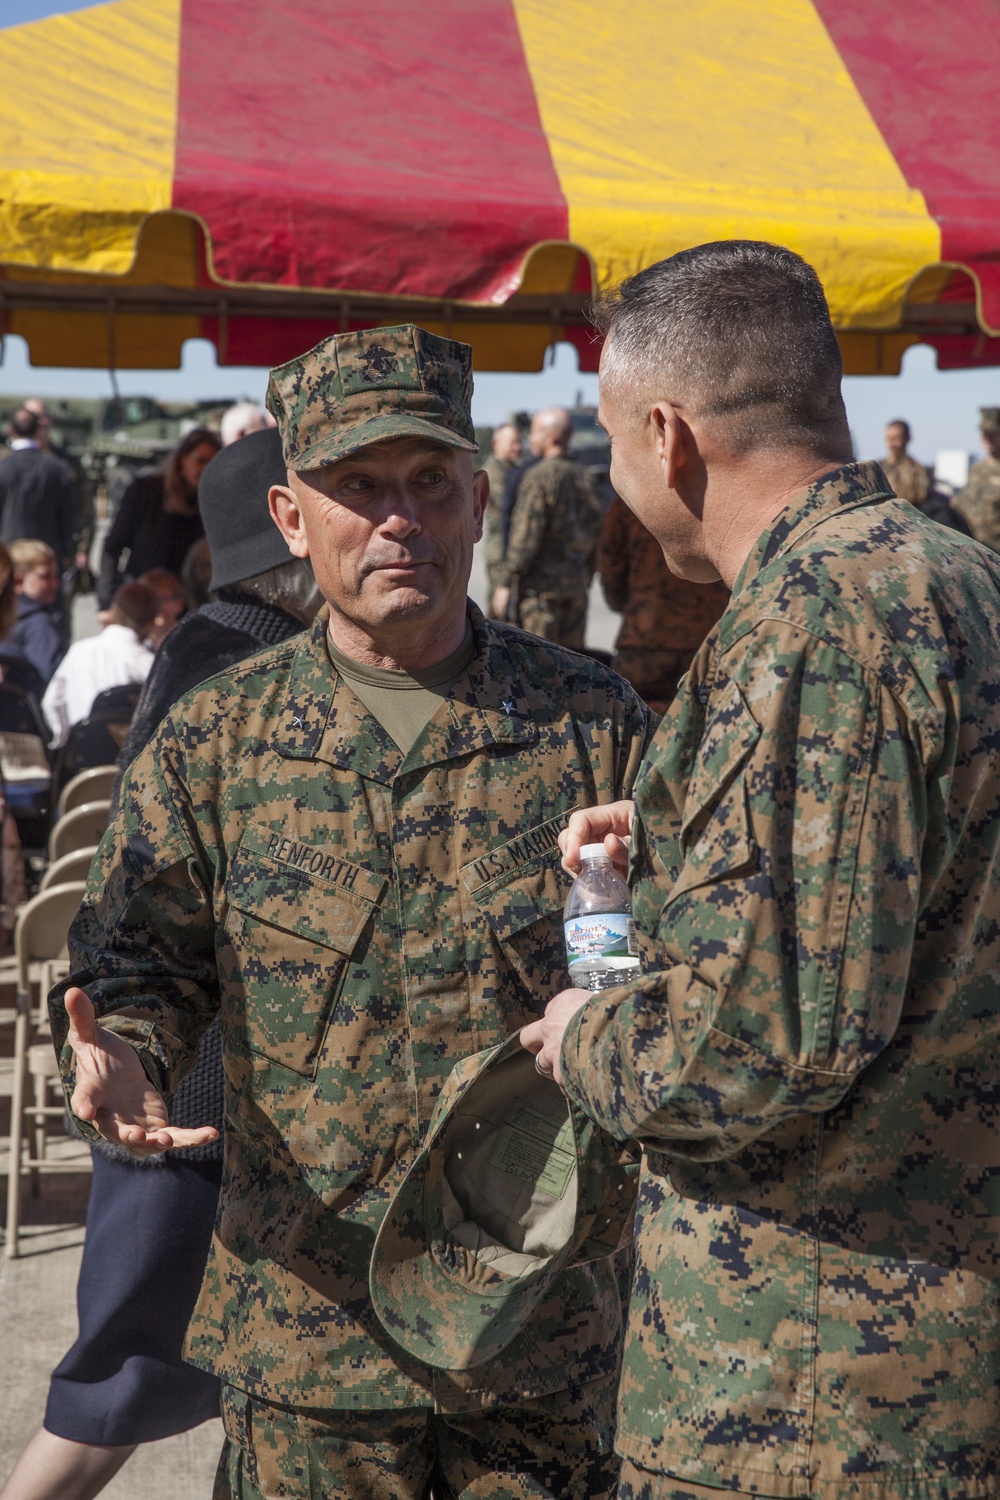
point(39, 939)
point(93, 785)
point(72, 866)
point(79, 829)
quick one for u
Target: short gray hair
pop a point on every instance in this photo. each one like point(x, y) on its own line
point(239, 419)
point(290, 586)
point(738, 331)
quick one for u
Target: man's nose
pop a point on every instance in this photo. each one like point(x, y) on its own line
point(400, 515)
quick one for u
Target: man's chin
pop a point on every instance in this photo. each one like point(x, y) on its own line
point(395, 597)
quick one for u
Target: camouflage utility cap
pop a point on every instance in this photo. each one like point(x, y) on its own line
point(357, 388)
point(512, 1186)
point(989, 418)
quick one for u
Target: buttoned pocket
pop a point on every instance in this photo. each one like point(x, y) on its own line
point(293, 931)
point(716, 832)
point(520, 888)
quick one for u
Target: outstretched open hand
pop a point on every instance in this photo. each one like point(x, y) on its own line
point(113, 1092)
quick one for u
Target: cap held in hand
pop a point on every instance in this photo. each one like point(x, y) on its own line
point(512, 1186)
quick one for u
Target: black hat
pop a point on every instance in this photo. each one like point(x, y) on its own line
point(232, 498)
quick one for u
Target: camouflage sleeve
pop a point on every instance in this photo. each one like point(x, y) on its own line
point(979, 503)
point(492, 536)
point(535, 498)
point(592, 530)
point(612, 556)
point(639, 724)
point(967, 499)
point(782, 950)
point(142, 945)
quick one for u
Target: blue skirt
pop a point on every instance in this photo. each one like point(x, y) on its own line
point(148, 1234)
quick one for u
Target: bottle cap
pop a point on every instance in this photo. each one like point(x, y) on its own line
point(595, 851)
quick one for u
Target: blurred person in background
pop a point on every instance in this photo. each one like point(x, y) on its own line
point(38, 496)
point(113, 658)
point(239, 420)
point(907, 477)
point(13, 887)
point(506, 451)
point(158, 520)
point(84, 485)
point(172, 604)
point(552, 542)
point(664, 618)
point(124, 1381)
point(38, 636)
point(911, 481)
point(979, 502)
point(196, 574)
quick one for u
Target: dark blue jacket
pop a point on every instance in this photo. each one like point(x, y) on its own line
point(38, 636)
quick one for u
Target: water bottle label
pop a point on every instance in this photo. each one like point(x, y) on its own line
point(604, 939)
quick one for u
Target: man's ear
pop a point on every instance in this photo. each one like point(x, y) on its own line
point(669, 436)
point(480, 495)
point(286, 515)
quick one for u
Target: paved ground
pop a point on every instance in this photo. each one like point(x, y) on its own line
point(38, 1324)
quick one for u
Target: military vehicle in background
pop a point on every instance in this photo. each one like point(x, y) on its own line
point(109, 442)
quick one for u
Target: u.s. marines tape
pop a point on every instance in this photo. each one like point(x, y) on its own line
point(511, 1186)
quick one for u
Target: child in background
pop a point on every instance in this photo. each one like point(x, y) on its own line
point(172, 604)
point(37, 635)
point(114, 658)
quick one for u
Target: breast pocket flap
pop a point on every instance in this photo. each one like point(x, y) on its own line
point(330, 908)
point(292, 935)
point(520, 882)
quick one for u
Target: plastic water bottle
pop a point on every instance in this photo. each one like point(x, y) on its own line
point(600, 934)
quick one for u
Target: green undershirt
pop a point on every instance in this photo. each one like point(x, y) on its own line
point(404, 702)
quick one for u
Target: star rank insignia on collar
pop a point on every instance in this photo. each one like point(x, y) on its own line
point(507, 707)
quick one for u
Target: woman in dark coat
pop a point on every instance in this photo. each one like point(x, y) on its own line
point(158, 520)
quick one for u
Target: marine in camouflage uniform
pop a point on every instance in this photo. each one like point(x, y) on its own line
point(979, 502)
point(665, 618)
point(360, 920)
point(552, 544)
point(907, 478)
point(812, 1060)
point(498, 466)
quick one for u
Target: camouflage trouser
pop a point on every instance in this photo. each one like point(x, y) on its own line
point(654, 674)
point(558, 1446)
point(557, 616)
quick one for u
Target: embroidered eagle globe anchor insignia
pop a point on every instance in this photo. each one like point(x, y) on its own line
point(378, 365)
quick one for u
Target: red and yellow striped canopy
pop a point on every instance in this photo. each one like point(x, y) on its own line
point(263, 173)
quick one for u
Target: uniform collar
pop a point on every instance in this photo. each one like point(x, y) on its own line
point(323, 720)
point(838, 490)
